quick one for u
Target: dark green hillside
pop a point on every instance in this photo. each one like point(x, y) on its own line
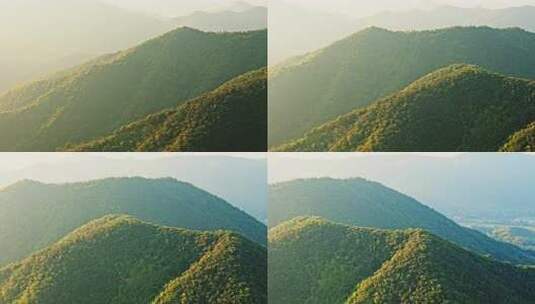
point(368, 204)
point(252, 18)
point(374, 63)
point(93, 100)
point(457, 108)
point(312, 260)
point(34, 215)
point(231, 118)
point(118, 259)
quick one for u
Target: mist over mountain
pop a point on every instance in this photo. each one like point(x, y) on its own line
point(367, 204)
point(121, 259)
point(40, 37)
point(320, 26)
point(248, 18)
point(312, 260)
point(185, 7)
point(35, 215)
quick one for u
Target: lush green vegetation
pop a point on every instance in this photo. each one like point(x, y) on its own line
point(93, 100)
point(231, 118)
point(34, 215)
point(312, 260)
point(352, 73)
point(521, 141)
point(118, 259)
point(457, 108)
point(248, 19)
point(368, 204)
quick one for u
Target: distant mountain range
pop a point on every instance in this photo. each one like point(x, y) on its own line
point(248, 18)
point(355, 72)
point(317, 29)
point(362, 203)
point(93, 100)
point(231, 118)
point(76, 30)
point(457, 108)
point(312, 260)
point(239, 181)
point(33, 215)
point(123, 260)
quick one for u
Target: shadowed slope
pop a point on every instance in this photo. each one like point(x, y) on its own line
point(230, 118)
point(457, 108)
point(92, 100)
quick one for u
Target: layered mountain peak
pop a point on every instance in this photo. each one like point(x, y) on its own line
point(363, 203)
point(94, 99)
point(119, 257)
point(328, 262)
point(48, 212)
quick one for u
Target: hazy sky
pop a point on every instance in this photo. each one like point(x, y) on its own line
point(361, 8)
point(457, 184)
point(173, 8)
point(17, 161)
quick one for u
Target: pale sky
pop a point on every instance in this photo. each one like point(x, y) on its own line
point(17, 161)
point(362, 8)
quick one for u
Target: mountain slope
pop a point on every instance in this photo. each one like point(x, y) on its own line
point(118, 259)
point(521, 141)
point(317, 29)
point(457, 108)
point(249, 19)
point(34, 215)
point(92, 100)
point(312, 260)
point(368, 204)
point(76, 30)
point(231, 118)
point(311, 90)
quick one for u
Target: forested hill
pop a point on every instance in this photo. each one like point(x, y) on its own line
point(119, 259)
point(368, 204)
point(374, 63)
point(457, 108)
point(34, 215)
point(93, 100)
point(231, 118)
point(313, 261)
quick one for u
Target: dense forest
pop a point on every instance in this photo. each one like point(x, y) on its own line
point(457, 108)
point(369, 204)
point(119, 259)
point(312, 260)
point(316, 88)
point(35, 215)
point(92, 100)
point(231, 118)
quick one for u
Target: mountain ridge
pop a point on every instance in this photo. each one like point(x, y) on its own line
point(474, 109)
point(384, 266)
point(364, 203)
point(28, 227)
point(94, 99)
point(362, 68)
point(58, 271)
